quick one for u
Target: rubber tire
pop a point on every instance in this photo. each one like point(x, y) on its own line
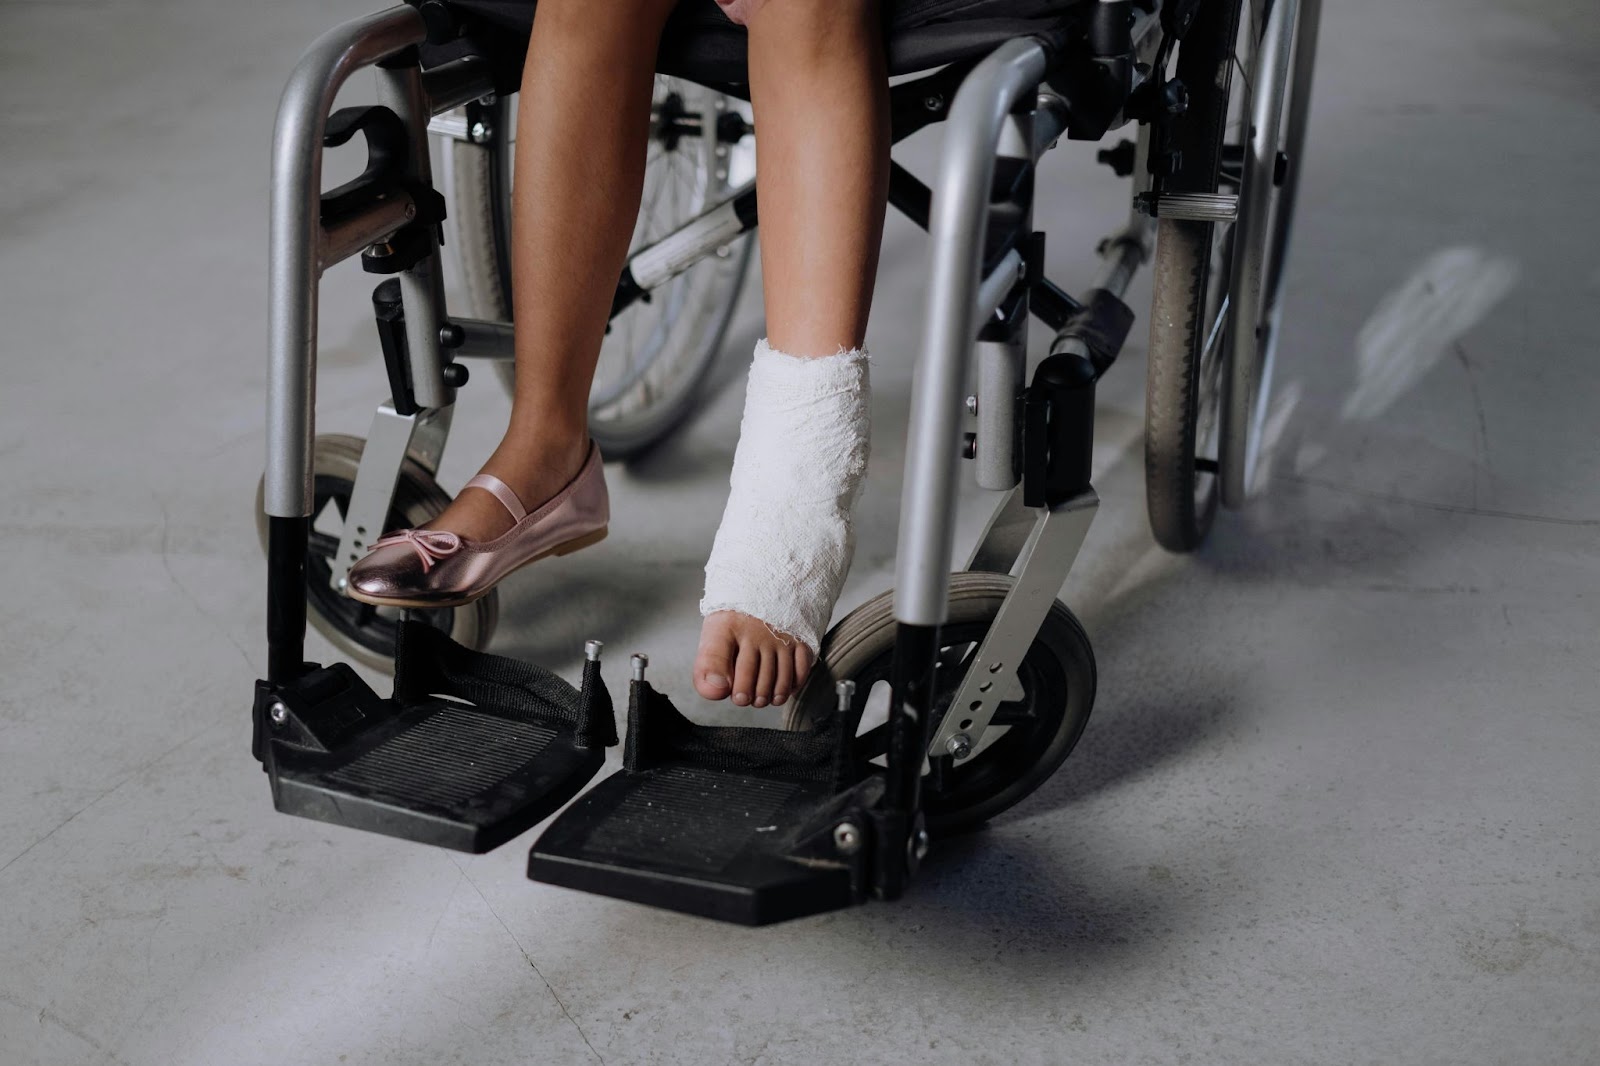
point(867, 635)
point(1181, 509)
point(418, 498)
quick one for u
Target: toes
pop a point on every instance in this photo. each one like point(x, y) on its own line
point(802, 664)
point(785, 680)
point(767, 676)
point(745, 671)
point(713, 667)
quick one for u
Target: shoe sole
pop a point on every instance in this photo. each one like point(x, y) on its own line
point(576, 544)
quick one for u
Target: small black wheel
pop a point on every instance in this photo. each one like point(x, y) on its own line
point(359, 630)
point(1027, 740)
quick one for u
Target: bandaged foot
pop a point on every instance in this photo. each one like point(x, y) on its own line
point(784, 546)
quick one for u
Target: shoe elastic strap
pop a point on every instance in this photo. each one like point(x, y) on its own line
point(502, 492)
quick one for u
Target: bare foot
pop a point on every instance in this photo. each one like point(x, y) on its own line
point(741, 657)
point(535, 471)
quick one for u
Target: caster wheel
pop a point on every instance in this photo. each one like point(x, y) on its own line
point(1026, 740)
point(359, 630)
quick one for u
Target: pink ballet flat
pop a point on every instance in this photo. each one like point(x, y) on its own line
point(437, 568)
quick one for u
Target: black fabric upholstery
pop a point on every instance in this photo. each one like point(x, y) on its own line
point(701, 44)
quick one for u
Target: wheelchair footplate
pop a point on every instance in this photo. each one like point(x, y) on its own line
point(471, 751)
point(744, 825)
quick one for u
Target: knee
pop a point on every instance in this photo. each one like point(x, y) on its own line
point(585, 18)
point(803, 20)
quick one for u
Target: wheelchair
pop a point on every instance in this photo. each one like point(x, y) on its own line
point(983, 679)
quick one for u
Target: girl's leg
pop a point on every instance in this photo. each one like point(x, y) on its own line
point(583, 124)
point(819, 88)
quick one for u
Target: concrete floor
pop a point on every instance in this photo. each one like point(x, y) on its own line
point(1337, 803)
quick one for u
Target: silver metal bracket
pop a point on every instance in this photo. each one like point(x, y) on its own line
point(391, 439)
point(1195, 206)
point(1040, 566)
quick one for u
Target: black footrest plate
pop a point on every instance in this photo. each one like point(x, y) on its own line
point(440, 773)
point(472, 750)
point(698, 840)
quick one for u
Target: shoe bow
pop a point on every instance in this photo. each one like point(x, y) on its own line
point(431, 545)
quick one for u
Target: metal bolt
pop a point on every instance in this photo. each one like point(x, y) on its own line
point(846, 693)
point(959, 745)
point(278, 713)
point(972, 405)
point(847, 838)
point(344, 583)
point(722, 173)
point(591, 650)
point(969, 446)
point(723, 251)
point(411, 210)
point(933, 103)
point(639, 661)
point(479, 132)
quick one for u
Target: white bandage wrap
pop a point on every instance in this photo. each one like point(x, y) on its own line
point(785, 542)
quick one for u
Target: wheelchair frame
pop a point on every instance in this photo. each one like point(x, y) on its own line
point(1033, 443)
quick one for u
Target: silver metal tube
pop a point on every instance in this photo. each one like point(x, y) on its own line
point(956, 225)
point(294, 233)
point(994, 288)
point(690, 243)
point(421, 286)
point(482, 339)
point(353, 235)
point(458, 82)
point(999, 376)
point(1120, 260)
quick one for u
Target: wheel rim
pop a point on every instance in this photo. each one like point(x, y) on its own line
point(371, 628)
point(1258, 241)
point(1032, 736)
point(368, 635)
point(1017, 733)
point(657, 350)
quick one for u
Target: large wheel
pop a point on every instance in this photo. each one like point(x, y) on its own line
point(1271, 159)
point(1204, 289)
point(657, 353)
point(1026, 741)
point(359, 630)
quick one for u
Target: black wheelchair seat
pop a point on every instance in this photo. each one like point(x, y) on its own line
point(701, 44)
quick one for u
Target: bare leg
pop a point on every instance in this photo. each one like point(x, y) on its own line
point(820, 93)
point(583, 126)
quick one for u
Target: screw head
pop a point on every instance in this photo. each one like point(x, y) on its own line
point(847, 838)
point(972, 405)
point(411, 210)
point(959, 745)
point(638, 661)
point(591, 650)
point(933, 103)
point(344, 583)
point(278, 713)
